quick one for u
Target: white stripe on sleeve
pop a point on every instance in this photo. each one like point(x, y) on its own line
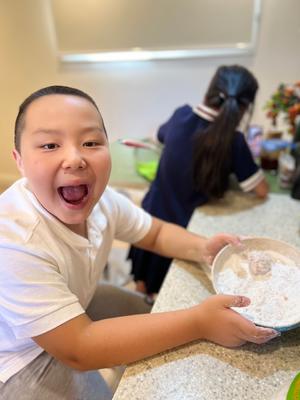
point(250, 183)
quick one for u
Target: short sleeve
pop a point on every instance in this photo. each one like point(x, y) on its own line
point(163, 131)
point(131, 222)
point(244, 167)
point(176, 119)
point(34, 297)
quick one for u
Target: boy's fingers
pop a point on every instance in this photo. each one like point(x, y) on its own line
point(256, 334)
point(235, 301)
point(230, 239)
point(209, 259)
point(248, 330)
point(261, 335)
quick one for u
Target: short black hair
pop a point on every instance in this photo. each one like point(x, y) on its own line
point(46, 91)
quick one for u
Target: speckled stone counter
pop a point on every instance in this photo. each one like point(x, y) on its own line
point(202, 370)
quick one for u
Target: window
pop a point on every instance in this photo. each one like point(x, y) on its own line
point(112, 30)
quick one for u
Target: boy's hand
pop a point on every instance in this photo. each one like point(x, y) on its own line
point(213, 245)
point(222, 325)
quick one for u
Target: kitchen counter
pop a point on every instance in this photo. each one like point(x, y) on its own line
point(203, 370)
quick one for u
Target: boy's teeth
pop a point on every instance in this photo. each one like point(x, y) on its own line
point(74, 193)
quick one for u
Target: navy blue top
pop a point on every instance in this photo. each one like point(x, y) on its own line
point(171, 196)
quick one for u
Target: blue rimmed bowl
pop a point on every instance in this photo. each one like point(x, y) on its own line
point(258, 244)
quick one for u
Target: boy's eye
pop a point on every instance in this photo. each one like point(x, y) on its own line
point(91, 144)
point(49, 146)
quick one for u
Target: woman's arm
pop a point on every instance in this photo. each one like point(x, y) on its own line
point(261, 189)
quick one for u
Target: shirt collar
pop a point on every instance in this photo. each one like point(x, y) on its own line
point(205, 112)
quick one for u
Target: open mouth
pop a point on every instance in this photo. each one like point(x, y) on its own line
point(73, 194)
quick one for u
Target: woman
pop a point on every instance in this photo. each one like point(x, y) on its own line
point(202, 147)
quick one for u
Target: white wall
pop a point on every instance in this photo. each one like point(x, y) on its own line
point(134, 98)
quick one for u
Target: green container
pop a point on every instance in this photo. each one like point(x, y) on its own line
point(294, 389)
point(146, 161)
point(290, 390)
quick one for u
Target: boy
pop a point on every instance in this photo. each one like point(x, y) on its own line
point(57, 225)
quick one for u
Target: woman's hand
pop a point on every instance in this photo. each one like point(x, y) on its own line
point(213, 245)
point(220, 324)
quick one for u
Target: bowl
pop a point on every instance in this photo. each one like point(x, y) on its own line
point(268, 272)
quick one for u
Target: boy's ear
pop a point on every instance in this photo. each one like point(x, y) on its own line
point(19, 161)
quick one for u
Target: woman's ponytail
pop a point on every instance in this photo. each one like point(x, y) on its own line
point(231, 91)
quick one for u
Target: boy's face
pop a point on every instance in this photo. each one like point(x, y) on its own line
point(65, 157)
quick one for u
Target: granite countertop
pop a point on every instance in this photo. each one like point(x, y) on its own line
point(203, 370)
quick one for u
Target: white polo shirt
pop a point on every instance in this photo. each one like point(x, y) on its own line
point(48, 274)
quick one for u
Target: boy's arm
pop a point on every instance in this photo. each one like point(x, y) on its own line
point(85, 345)
point(173, 241)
